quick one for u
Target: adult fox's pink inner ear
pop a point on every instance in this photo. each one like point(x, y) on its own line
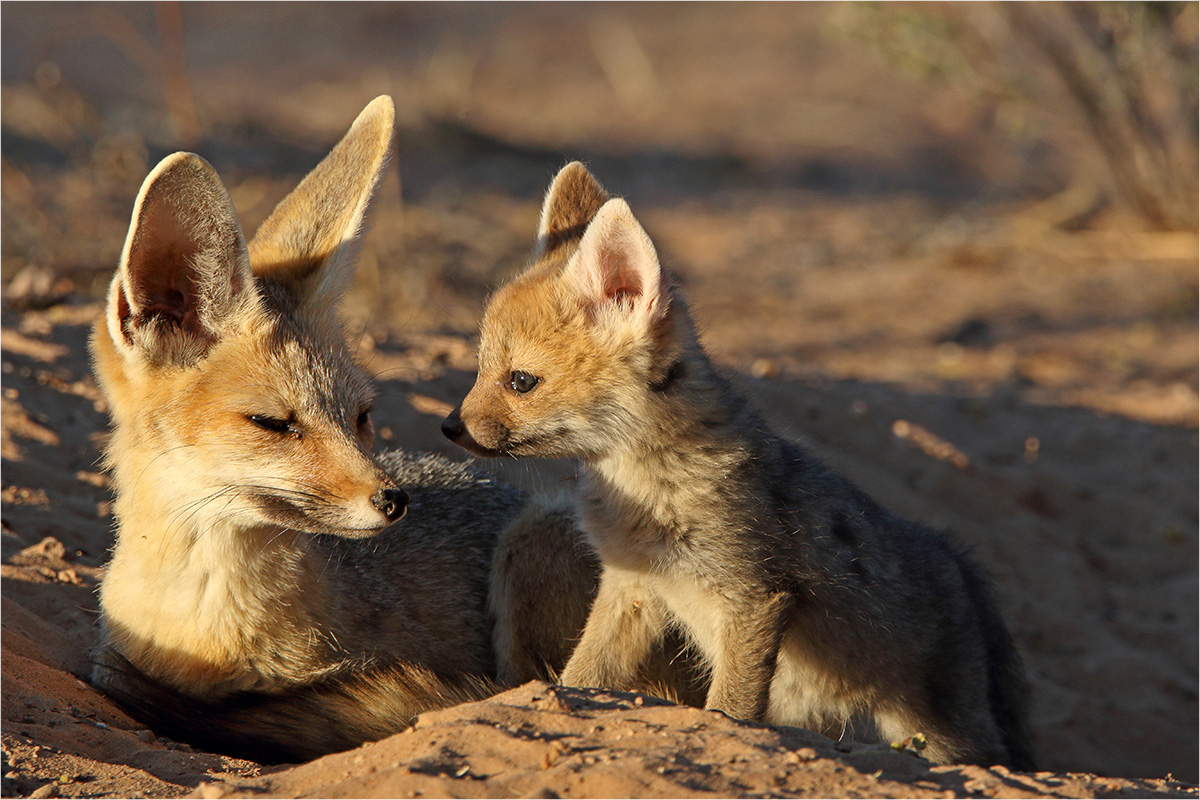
point(185, 267)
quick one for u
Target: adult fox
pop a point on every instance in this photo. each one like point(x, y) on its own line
point(264, 596)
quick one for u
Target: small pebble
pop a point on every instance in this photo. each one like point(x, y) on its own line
point(764, 368)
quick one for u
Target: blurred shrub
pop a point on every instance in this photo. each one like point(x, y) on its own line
point(1113, 85)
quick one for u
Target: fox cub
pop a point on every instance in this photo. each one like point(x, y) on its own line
point(275, 591)
point(810, 604)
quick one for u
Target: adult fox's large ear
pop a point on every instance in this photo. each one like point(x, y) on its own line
point(184, 270)
point(615, 274)
point(311, 240)
point(571, 202)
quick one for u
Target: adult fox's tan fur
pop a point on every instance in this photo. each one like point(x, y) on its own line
point(264, 596)
point(809, 603)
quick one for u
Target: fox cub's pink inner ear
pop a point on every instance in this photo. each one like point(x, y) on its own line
point(616, 262)
point(618, 268)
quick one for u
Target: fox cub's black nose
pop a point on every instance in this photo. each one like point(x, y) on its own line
point(452, 425)
point(392, 502)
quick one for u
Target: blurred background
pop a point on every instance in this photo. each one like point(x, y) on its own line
point(980, 218)
point(976, 193)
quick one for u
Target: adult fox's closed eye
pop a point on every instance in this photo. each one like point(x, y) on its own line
point(810, 604)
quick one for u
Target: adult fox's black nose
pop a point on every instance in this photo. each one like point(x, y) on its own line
point(452, 425)
point(392, 502)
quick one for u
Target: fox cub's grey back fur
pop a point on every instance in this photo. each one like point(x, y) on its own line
point(810, 604)
point(264, 596)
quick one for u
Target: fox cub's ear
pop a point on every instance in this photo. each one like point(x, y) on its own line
point(184, 270)
point(616, 270)
point(571, 202)
point(311, 240)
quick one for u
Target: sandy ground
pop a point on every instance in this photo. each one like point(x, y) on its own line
point(1098, 587)
point(922, 301)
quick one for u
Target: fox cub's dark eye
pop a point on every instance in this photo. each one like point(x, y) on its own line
point(272, 424)
point(364, 419)
point(522, 382)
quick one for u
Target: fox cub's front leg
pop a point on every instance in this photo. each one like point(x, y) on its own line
point(747, 649)
point(625, 623)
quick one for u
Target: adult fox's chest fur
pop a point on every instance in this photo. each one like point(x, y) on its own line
point(195, 620)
